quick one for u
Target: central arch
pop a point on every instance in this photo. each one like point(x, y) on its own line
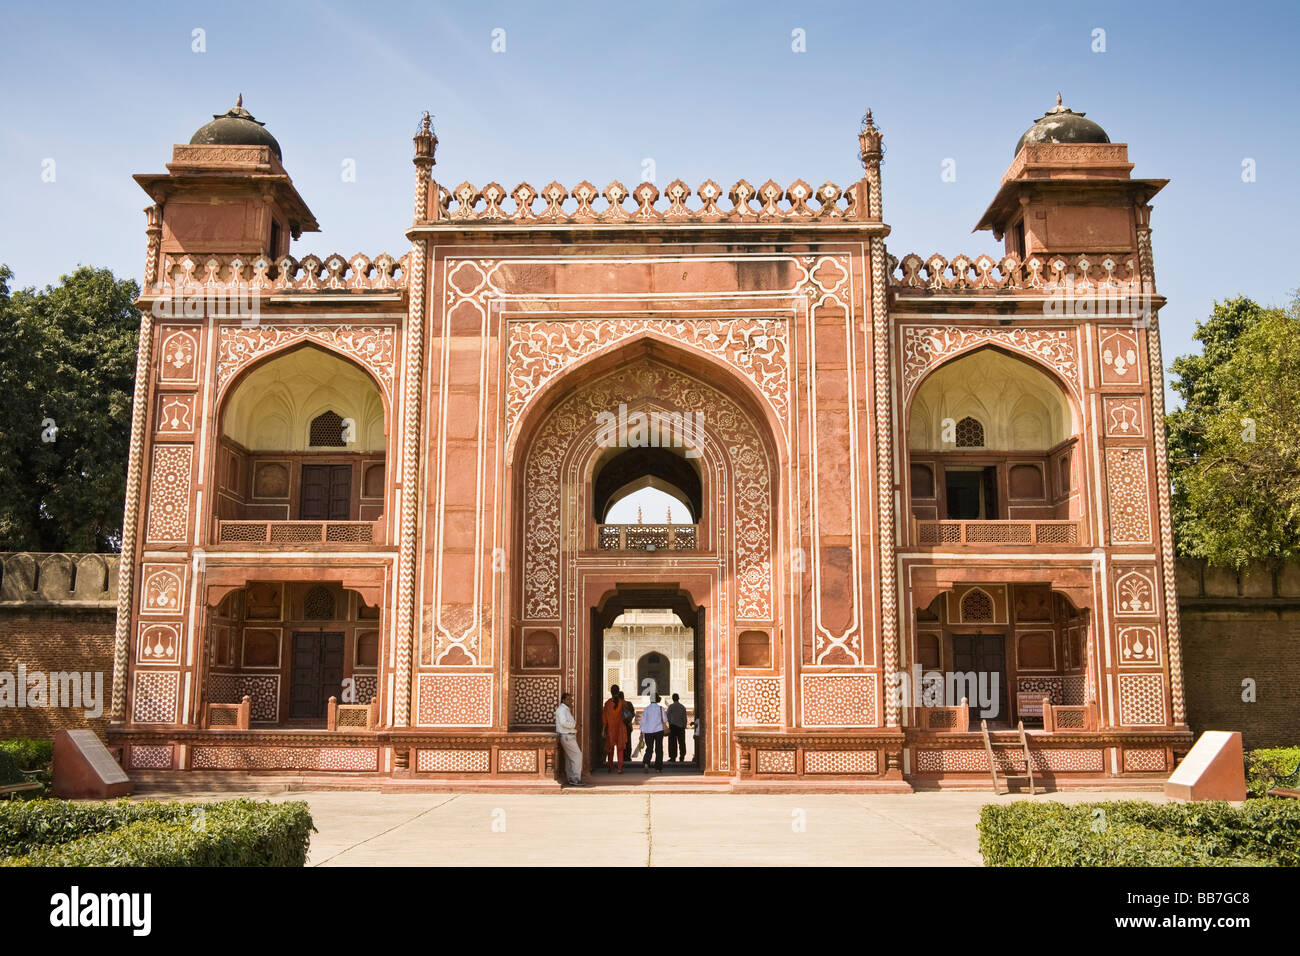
point(565, 567)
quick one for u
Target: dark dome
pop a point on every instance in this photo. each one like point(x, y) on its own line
point(235, 127)
point(1061, 124)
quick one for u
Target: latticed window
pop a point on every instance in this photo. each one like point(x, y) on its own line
point(970, 433)
point(318, 605)
point(327, 431)
point(976, 607)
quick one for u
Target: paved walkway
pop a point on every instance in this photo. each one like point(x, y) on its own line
point(652, 829)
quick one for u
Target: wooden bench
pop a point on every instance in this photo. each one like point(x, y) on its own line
point(7, 790)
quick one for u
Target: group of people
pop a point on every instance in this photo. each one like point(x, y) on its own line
point(617, 719)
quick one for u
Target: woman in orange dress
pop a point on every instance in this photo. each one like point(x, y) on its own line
point(614, 730)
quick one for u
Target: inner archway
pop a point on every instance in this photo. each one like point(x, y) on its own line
point(647, 638)
point(566, 474)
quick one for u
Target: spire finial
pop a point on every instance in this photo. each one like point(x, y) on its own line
point(426, 141)
point(1058, 97)
point(869, 151)
point(239, 100)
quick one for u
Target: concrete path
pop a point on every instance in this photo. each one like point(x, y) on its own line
point(649, 829)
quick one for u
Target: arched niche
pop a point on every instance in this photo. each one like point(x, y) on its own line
point(992, 436)
point(303, 437)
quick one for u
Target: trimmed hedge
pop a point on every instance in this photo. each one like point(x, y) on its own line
point(1134, 833)
point(229, 833)
point(1266, 769)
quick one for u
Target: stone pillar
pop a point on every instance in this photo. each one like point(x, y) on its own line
point(869, 142)
point(1173, 632)
point(407, 599)
point(131, 510)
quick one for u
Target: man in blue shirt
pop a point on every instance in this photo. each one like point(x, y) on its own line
point(652, 729)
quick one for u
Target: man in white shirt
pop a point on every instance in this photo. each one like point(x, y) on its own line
point(652, 730)
point(567, 728)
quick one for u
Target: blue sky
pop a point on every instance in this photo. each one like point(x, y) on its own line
point(707, 90)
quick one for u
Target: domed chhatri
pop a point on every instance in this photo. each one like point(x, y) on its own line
point(236, 127)
point(1061, 124)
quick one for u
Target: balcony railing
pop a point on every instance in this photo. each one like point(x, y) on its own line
point(997, 532)
point(648, 537)
point(296, 532)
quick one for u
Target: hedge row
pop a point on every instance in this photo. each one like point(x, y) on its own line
point(230, 833)
point(1134, 833)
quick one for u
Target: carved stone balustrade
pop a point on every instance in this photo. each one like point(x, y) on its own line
point(644, 204)
point(228, 276)
point(1116, 274)
point(648, 537)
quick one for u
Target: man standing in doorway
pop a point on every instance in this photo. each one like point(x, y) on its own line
point(652, 729)
point(567, 727)
point(615, 734)
point(676, 730)
point(629, 715)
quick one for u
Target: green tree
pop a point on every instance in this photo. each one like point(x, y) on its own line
point(1234, 448)
point(67, 370)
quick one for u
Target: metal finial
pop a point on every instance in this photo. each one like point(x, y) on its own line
point(425, 124)
point(239, 100)
point(1058, 97)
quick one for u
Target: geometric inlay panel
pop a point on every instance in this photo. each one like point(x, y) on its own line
point(839, 761)
point(154, 699)
point(1141, 700)
point(169, 493)
point(839, 700)
point(758, 700)
point(977, 761)
point(1126, 479)
point(533, 700)
point(454, 700)
point(453, 761)
point(517, 761)
point(776, 761)
point(1144, 761)
point(285, 758)
point(149, 757)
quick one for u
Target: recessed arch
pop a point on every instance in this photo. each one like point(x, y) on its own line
point(995, 387)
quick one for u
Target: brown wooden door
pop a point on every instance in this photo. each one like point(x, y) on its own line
point(326, 493)
point(983, 655)
point(315, 674)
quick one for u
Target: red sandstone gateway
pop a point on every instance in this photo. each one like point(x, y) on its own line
point(366, 525)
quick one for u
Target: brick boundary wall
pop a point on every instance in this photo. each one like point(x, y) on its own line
point(57, 613)
point(1239, 627)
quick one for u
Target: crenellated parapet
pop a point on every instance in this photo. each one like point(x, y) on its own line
point(644, 204)
point(38, 579)
point(228, 275)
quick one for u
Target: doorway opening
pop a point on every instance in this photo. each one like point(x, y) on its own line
point(648, 643)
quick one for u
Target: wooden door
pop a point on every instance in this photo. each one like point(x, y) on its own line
point(326, 493)
point(315, 673)
point(983, 654)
